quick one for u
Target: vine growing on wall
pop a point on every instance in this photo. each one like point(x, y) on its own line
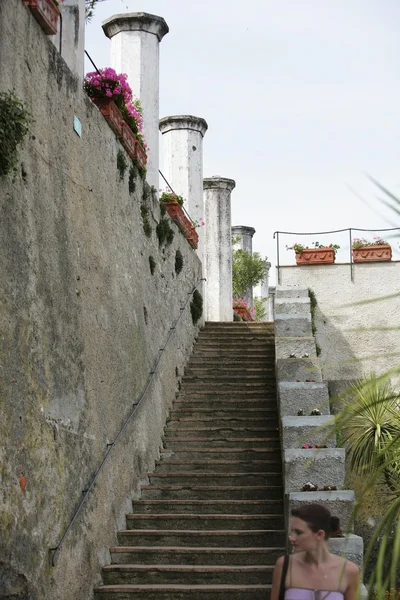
point(15, 121)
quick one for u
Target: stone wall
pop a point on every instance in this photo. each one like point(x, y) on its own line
point(354, 338)
point(82, 320)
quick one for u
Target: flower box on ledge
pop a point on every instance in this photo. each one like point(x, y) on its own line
point(177, 214)
point(128, 140)
point(111, 113)
point(316, 256)
point(46, 14)
point(140, 155)
point(378, 253)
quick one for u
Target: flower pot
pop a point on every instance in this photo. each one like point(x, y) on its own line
point(140, 155)
point(128, 139)
point(177, 214)
point(46, 14)
point(243, 312)
point(316, 256)
point(111, 113)
point(381, 253)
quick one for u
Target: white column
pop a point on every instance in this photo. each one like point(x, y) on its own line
point(264, 293)
point(183, 164)
point(135, 39)
point(70, 37)
point(218, 248)
point(244, 242)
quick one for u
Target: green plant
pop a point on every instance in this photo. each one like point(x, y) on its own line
point(261, 310)
point(171, 197)
point(144, 211)
point(15, 121)
point(313, 308)
point(247, 271)
point(178, 262)
point(133, 173)
point(299, 248)
point(90, 5)
point(361, 242)
point(164, 232)
point(152, 264)
point(196, 306)
point(122, 164)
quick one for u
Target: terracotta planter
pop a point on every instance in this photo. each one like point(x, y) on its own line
point(316, 256)
point(111, 113)
point(177, 214)
point(193, 238)
point(46, 14)
point(243, 312)
point(382, 253)
point(140, 155)
point(128, 139)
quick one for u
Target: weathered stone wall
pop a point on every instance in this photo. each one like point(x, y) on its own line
point(354, 338)
point(82, 320)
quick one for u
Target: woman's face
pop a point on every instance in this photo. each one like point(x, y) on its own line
point(301, 536)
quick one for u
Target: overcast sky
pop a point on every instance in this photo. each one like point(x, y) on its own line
point(302, 98)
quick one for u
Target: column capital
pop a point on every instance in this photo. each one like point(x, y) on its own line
point(189, 122)
point(243, 230)
point(139, 21)
point(218, 183)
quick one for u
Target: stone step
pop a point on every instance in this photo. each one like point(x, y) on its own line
point(234, 362)
point(236, 372)
point(208, 506)
point(296, 306)
point(235, 335)
point(233, 393)
point(320, 467)
point(264, 413)
point(294, 396)
point(209, 538)
point(173, 431)
point(298, 369)
point(299, 346)
point(230, 404)
point(227, 386)
point(340, 503)
point(288, 325)
point(248, 325)
point(297, 431)
point(234, 355)
point(235, 342)
point(178, 555)
point(182, 592)
point(174, 443)
point(291, 292)
point(231, 419)
point(198, 522)
point(187, 574)
point(228, 466)
point(212, 492)
point(235, 453)
point(219, 478)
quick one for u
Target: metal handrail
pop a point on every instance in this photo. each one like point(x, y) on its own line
point(55, 551)
point(349, 229)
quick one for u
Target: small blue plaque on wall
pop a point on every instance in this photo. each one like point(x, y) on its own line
point(78, 126)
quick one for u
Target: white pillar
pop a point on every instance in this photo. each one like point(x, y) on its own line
point(218, 248)
point(264, 294)
point(70, 37)
point(135, 39)
point(244, 242)
point(183, 164)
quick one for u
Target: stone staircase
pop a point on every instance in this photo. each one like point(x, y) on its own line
point(210, 523)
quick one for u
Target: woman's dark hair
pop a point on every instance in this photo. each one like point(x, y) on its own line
point(318, 517)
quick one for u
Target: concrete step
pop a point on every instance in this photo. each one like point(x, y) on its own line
point(295, 396)
point(297, 431)
point(234, 354)
point(227, 386)
point(232, 507)
point(222, 441)
point(288, 325)
point(242, 454)
point(291, 292)
point(198, 522)
point(218, 478)
point(231, 404)
point(299, 346)
point(227, 466)
point(223, 422)
point(182, 592)
point(320, 467)
point(210, 432)
point(235, 372)
point(340, 503)
point(263, 413)
point(267, 393)
point(296, 306)
point(298, 369)
point(187, 574)
point(208, 538)
point(262, 336)
point(212, 492)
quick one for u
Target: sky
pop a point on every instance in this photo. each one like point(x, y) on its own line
point(302, 101)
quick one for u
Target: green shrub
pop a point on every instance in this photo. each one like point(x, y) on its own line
point(196, 306)
point(15, 121)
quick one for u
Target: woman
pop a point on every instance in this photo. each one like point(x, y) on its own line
point(313, 573)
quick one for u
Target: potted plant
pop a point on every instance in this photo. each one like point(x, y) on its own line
point(174, 205)
point(242, 308)
point(113, 96)
point(378, 250)
point(46, 13)
point(318, 254)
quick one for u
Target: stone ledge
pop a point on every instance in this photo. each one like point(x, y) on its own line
point(299, 346)
point(291, 369)
point(294, 396)
point(297, 431)
point(291, 292)
point(297, 306)
point(321, 467)
point(351, 547)
point(288, 325)
point(340, 503)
